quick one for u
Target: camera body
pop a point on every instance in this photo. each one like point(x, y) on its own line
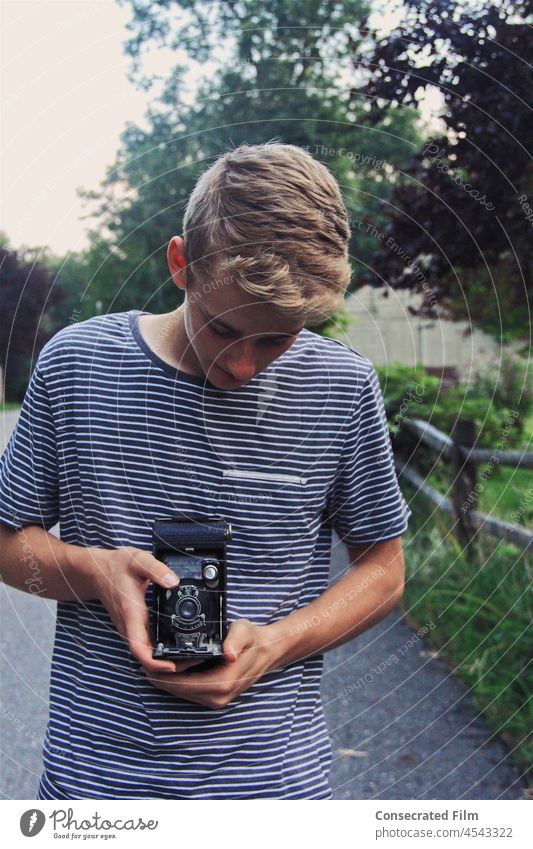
point(189, 621)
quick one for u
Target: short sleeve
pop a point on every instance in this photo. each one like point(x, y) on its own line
point(365, 503)
point(29, 492)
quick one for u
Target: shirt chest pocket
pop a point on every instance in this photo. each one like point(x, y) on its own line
point(268, 512)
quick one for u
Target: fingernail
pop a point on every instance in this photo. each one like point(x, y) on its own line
point(171, 580)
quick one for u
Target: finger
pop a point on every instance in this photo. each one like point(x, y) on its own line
point(183, 680)
point(239, 639)
point(148, 566)
point(179, 693)
point(138, 637)
point(187, 681)
point(182, 665)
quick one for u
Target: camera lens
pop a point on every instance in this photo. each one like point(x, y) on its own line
point(187, 608)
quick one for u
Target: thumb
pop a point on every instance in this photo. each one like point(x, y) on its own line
point(146, 565)
point(239, 638)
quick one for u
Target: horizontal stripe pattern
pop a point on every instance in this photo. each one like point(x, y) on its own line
point(109, 438)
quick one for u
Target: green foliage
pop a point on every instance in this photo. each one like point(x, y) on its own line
point(482, 611)
point(26, 290)
point(403, 385)
point(504, 492)
point(336, 326)
point(509, 386)
point(462, 210)
point(503, 313)
point(279, 79)
point(490, 401)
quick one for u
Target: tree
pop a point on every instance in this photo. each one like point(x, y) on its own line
point(457, 227)
point(28, 297)
point(285, 74)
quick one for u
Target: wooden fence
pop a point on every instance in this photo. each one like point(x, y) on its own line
point(457, 449)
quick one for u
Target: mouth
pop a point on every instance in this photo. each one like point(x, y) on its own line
point(234, 380)
point(225, 373)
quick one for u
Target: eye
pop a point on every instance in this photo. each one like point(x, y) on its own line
point(269, 343)
point(219, 331)
point(276, 343)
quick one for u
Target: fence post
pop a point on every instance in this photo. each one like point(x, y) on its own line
point(464, 492)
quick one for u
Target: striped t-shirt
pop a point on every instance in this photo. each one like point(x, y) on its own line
point(111, 437)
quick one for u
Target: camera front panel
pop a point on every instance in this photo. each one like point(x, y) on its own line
point(189, 621)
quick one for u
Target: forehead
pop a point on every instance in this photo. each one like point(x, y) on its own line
point(244, 312)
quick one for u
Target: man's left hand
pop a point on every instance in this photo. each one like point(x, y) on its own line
point(248, 655)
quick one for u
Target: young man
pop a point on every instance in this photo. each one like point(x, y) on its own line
point(228, 404)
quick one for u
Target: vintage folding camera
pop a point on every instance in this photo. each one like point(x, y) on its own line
point(190, 620)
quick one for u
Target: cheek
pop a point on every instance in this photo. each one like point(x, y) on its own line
point(208, 347)
point(199, 335)
point(277, 350)
point(269, 354)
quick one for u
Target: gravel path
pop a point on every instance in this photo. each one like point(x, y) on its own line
point(402, 727)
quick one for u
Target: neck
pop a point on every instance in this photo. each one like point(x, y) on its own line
point(168, 337)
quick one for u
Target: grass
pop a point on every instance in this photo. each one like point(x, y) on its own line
point(506, 494)
point(482, 613)
point(503, 495)
point(8, 406)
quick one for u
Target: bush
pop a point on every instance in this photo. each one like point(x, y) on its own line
point(513, 388)
point(410, 393)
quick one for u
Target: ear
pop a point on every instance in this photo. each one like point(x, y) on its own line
point(176, 261)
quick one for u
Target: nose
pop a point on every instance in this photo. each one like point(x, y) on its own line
point(242, 364)
point(241, 370)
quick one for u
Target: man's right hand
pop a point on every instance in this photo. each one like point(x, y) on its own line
point(121, 579)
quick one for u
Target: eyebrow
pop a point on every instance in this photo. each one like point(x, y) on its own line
point(226, 326)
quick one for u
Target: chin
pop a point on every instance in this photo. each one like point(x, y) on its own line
point(220, 378)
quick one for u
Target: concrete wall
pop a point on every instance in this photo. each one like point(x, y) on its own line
point(383, 330)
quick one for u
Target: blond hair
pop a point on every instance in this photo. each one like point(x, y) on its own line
point(272, 219)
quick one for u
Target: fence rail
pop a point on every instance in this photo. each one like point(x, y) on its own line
point(441, 442)
point(458, 449)
point(518, 459)
point(480, 521)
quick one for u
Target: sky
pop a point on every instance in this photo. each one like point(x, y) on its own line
point(65, 98)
